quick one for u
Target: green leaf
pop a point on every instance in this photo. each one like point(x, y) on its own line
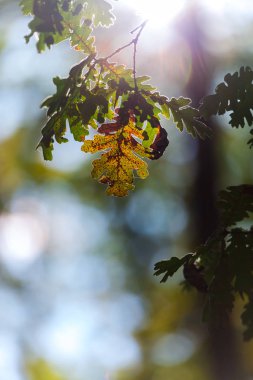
point(73, 101)
point(150, 133)
point(188, 117)
point(78, 130)
point(47, 22)
point(54, 21)
point(46, 143)
point(165, 110)
point(60, 130)
point(81, 40)
point(58, 101)
point(90, 105)
point(100, 11)
point(55, 126)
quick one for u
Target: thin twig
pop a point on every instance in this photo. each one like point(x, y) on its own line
point(141, 26)
point(119, 50)
point(134, 67)
point(135, 41)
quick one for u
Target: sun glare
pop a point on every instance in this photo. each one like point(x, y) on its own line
point(162, 12)
point(158, 12)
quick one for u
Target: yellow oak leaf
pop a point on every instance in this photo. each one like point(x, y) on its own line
point(122, 155)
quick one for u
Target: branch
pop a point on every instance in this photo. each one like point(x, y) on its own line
point(133, 42)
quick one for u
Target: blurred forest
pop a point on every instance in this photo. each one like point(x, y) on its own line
point(78, 297)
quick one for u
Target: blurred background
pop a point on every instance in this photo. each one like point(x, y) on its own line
point(78, 299)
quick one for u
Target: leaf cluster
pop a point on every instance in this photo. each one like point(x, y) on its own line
point(99, 94)
point(102, 95)
point(223, 266)
point(56, 20)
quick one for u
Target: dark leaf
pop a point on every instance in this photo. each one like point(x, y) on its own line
point(188, 117)
point(234, 95)
point(169, 267)
point(160, 144)
point(235, 203)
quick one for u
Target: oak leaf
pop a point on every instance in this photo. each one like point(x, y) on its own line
point(122, 158)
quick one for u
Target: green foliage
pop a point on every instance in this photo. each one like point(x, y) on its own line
point(234, 95)
point(223, 266)
point(56, 20)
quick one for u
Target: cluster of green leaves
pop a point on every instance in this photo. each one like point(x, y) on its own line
point(102, 95)
point(223, 266)
point(234, 95)
point(57, 20)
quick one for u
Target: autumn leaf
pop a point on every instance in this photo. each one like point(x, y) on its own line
point(122, 158)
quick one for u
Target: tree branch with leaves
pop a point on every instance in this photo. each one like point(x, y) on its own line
point(125, 112)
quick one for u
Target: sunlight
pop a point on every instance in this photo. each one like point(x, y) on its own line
point(159, 13)
point(233, 9)
point(217, 5)
point(162, 12)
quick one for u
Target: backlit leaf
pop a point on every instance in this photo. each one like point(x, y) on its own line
point(57, 20)
point(117, 165)
point(100, 11)
point(188, 117)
